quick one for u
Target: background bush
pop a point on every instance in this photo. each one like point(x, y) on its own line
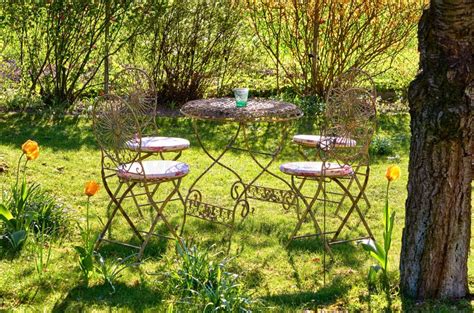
point(64, 50)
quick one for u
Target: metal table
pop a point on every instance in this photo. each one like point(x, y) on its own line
point(225, 110)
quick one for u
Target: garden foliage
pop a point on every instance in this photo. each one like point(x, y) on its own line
point(312, 42)
point(62, 44)
point(26, 208)
point(200, 282)
point(64, 50)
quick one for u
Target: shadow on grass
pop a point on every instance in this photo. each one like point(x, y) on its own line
point(131, 298)
point(326, 295)
point(458, 305)
point(346, 254)
point(66, 133)
point(156, 247)
point(217, 135)
point(71, 132)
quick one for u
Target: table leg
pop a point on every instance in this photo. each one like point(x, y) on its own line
point(286, 197)
point(206, 211)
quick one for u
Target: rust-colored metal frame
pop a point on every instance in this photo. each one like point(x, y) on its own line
point(241, 192)
point(346, 91)
point(116, 154)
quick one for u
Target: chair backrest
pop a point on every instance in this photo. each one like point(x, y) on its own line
point(354, 78)
point(136, 87)
point(116, 127)
point(350, 119)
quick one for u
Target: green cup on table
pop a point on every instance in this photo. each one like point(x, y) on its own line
point(241, 96)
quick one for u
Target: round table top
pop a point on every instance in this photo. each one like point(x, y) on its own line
point(225, 109)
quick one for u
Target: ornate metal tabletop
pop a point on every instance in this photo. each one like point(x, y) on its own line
point(263, 110)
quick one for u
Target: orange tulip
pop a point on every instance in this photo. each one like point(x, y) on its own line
point(91, 188)
point(31, 149)
point(393, 172)
point(33, 155)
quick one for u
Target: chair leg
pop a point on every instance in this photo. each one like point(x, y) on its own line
point(353, 207)
point(181, 198)
point(148, 236)
point(309, 210)
point(323, 234)
point(111, 202)
point(364, 195)
point(118, 207)
point(359, 185)
point(308, 207)
point(159, 214)
point(136, 204)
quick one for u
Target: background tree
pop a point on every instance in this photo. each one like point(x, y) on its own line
point(437, 234)
point(187, 46)
point(313, 41)
point(61, 43)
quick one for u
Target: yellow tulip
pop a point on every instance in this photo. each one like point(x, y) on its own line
point(393, 172)
point(91, 188)
point(31, 149)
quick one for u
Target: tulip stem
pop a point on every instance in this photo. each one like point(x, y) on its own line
point(87, 218)
point(387, 235)
point(18, 170)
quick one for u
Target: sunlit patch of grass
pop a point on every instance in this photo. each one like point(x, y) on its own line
point(285, 279)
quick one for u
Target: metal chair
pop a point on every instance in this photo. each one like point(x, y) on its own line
point(136, 87)
point(353, 78)
point(343, 148)
point(118, 132)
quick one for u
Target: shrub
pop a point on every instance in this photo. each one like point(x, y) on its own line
point(62, 44)
point(312, 42)
point(187, 46)
point(381, 146)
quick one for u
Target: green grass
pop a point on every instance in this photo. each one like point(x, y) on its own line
point(284, 279)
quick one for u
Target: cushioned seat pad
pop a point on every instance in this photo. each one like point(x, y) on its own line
point(158, 144)
point(153, 170)
point(316, 140)
point(315, 169)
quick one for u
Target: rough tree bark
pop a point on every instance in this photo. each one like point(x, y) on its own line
point(436, 237)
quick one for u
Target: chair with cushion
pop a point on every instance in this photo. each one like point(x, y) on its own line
point(136, 87)
point(343, 149)
point(353, 78)
point(137, 180)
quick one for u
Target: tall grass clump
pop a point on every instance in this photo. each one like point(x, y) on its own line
point(197, 280)
point(25, 207)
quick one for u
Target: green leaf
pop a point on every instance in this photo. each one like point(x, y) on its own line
point(80, 250)
point(375, 251)
point(17, 238)
point(5, 214)
point(387, 236)
point(87, 263)
point(372, 275)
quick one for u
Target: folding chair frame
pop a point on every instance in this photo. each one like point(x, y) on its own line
point(149, 192)
point(115, 123)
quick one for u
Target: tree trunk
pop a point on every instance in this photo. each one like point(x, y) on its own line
point(436, 237)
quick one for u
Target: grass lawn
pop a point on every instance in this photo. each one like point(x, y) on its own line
point(285, 279)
